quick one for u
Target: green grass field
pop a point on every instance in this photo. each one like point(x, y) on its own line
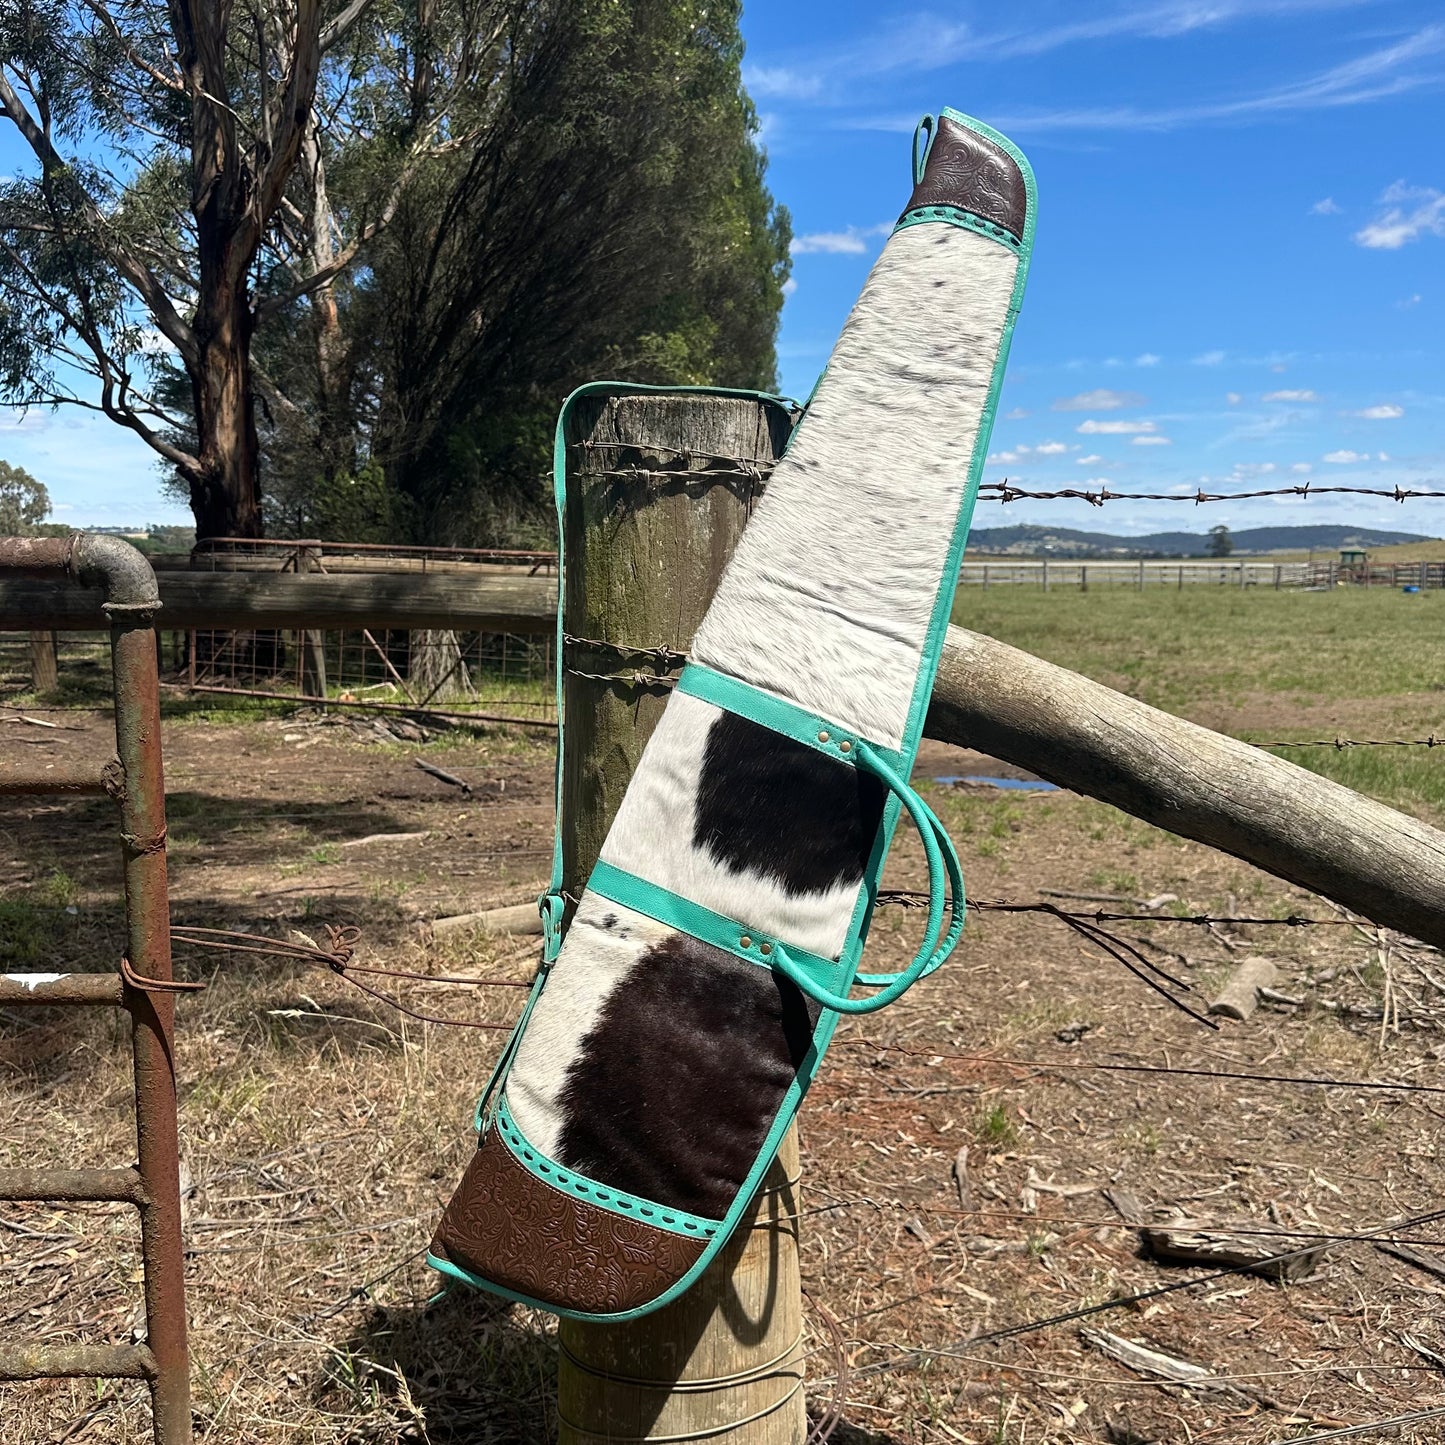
point(1260, 665)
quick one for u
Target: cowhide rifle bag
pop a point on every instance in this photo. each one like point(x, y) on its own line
point(667, 1042)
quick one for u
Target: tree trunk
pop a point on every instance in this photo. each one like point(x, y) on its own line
point(436, 671)
point(226, 495)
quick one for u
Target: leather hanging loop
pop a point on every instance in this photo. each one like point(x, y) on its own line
point(925, 132)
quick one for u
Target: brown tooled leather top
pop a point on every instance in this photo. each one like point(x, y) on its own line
point(970, 171)
point(505, 1224)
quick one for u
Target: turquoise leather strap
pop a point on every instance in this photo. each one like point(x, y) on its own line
point(775, 713)
point(674, 911)
point(942, 860)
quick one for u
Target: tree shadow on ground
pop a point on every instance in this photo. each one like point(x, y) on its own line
point(463, 1369)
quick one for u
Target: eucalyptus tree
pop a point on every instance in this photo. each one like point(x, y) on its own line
point(177, 196)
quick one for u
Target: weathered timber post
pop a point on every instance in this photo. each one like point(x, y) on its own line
point(651, 521)
point(44, 670)
point(313, 642)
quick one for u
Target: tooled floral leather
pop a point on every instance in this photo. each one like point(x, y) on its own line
point(510, 1227)
point(975, 174)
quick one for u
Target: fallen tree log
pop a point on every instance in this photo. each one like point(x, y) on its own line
point(1199, 784)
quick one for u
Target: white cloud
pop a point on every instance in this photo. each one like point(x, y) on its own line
point(1382, 456)
point(1408, 302)
point(1017, 414)
point(1005, 459)
point(1151, 441)
point(1209, 358)
point(1302, 395)
point(851, 242)
point(1393, 69)
point(1326, 207)
point(1233, 398)
point(1100, 399)
point(790, 286)
point(1303, 468)
point(1413, 211)
point(13, 419)
point(1343, 458)
point(1050, 449)
point(1098, 481)
point(927, 41)
point(1114, 428)
point(1092, 460)
point(781, 83)
point(1147, 358)
point(1387, 411)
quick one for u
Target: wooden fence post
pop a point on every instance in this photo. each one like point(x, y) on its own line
point(44, 670)
point(644, 555)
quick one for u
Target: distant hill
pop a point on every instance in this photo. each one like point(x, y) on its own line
point(1028, 541)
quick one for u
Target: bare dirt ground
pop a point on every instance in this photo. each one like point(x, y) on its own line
point(322, 1131)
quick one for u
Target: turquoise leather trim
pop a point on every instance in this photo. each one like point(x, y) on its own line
point(955, 216)
point(628, 1206)
point(674, 911)
point(509, 1052)
point(943, 606)
point(773, 712)
point(552, 918)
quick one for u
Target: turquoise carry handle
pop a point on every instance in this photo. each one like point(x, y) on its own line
point(942, 860)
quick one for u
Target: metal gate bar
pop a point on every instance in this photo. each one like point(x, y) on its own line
point(133, 779)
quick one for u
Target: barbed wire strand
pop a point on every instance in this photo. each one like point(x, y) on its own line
point(1056, 1221)
point(1183, 1070)
point(1006, 492)
point(338, 959)
point(1369, 1427)
point(667, 660)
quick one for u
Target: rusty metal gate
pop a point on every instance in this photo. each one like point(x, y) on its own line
point(133, 781)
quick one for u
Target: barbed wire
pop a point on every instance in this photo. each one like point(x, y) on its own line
point(1184, 1070)
point(1057, 1221)
point(917, 898)
point(1005, 492)
point(1343, 744)
point(336, 956)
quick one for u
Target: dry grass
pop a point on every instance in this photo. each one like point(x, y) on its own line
point(322, 1132)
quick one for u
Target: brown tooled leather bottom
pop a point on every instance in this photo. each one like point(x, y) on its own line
point(510, 1227)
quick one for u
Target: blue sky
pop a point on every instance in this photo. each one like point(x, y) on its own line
point(1239, 274)
point(1239, 278)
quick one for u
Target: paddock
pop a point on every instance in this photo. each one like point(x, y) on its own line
point(978, 1158)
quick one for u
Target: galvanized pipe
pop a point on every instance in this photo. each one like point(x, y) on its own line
point(63, 777)
point(72, 1186)
point(35, 990)
point(134, 779)
point(148, 947)
point(50, 1362)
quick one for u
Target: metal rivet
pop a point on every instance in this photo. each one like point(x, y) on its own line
point(844, 747)
point(745, 942)
point(822, 737)
point(765, 949)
